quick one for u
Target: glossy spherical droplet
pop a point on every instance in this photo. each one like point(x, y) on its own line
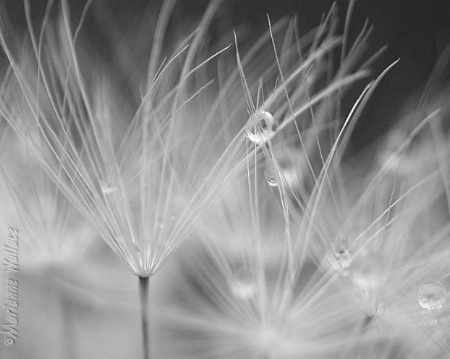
point(431, 296)
point(261, 127)
point(272, 181)
point(271, 173)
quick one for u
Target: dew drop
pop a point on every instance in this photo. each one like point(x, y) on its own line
point(431, 296)
point(271, 173)
point(261, 128)
point(272, 181)
point(339, 260)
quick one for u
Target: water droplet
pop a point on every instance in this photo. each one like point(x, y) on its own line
point(431, 296)
point(272, 181)
point(271, 173)
point(261, 128)
point(242, 284)
point(339, 260)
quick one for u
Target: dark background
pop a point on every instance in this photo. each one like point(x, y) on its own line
point(416, 31)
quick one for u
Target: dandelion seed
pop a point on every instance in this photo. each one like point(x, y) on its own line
point(262, 127)
point(124, 183)
point(431, 296)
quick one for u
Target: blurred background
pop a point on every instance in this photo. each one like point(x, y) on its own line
point(88, 309)
point(416, 31)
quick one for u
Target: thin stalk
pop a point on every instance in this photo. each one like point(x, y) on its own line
point(144, 290)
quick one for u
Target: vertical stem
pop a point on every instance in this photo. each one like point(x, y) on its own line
point(144, 290)
point(68, 331)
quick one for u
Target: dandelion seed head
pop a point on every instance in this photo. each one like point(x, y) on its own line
point(276, 305)
point(51, 232)
point(269, 341)
point(122, 159)
point(431, 296)
point(261, 127)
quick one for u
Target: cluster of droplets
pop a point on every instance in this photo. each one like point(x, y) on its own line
point(431, 296)
point(261, 127)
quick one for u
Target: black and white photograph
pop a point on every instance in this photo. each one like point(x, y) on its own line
point(224, 179)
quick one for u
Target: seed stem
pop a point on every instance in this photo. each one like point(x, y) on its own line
point(144, 290)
